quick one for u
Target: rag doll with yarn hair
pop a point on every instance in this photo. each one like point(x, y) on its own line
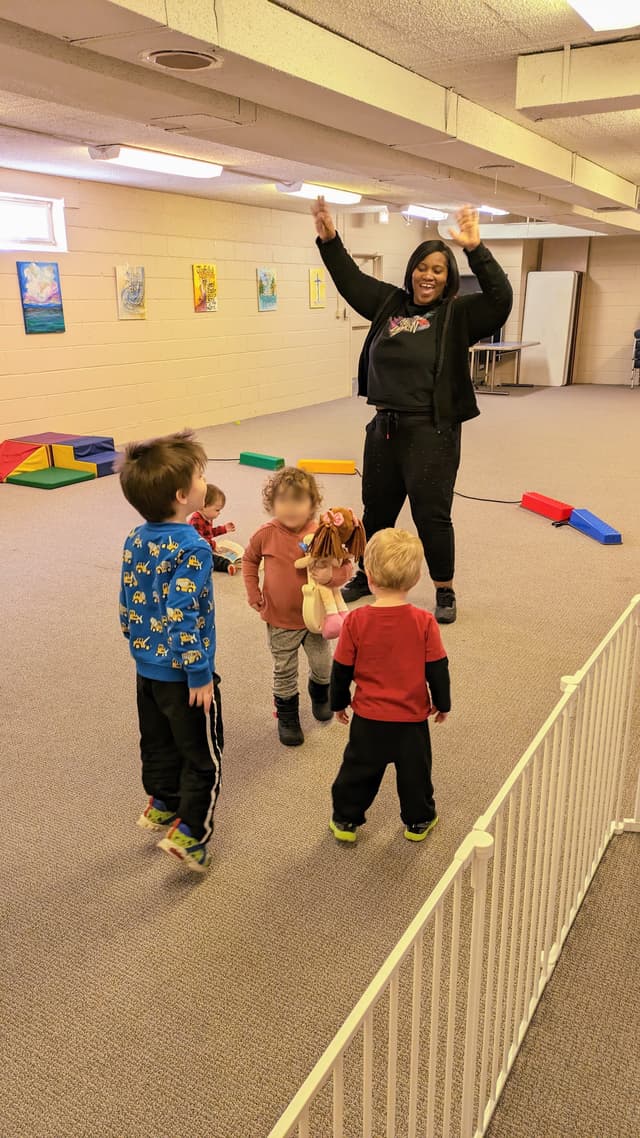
point(339, 537)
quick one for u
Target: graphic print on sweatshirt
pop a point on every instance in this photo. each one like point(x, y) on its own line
point(411, 324)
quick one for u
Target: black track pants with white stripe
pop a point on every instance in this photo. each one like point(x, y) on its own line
point(181, 751)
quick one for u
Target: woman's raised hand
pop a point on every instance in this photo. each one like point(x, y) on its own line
point(467, 235)
point(325, 228)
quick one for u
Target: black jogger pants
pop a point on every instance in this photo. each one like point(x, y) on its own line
point(405, 455)
point(181, 751)
point(373, 744)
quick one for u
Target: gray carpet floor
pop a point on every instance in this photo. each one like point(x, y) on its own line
point(578, 1073)
point(138, 1002)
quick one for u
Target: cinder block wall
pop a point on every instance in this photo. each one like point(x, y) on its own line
point(132, 378)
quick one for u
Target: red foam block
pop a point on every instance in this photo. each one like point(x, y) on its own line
point(548, 507)
point(12, 453)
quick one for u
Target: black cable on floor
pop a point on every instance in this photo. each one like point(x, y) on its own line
point(472, 498)
point(499, 501)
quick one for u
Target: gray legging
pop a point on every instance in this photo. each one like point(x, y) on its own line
point(405, 455)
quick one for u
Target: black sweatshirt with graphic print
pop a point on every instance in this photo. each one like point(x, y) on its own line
point(460, 322)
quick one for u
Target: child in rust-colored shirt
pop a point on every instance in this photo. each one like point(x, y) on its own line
point(293, 498)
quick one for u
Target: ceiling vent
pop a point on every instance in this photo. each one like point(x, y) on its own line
point(182, 60)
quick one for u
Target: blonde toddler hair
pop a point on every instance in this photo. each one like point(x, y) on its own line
point(393, 559)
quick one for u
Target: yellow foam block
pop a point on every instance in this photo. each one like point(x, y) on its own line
point(37, 460)
point(64, 457)
point(327, 465)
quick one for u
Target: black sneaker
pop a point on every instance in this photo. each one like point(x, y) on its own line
point(289, 729)
point(419, 831)
point(356, 588)
point(320, 704)
point(445, 612)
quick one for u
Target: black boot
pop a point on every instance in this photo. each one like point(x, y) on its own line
point(289, 729)
point(356, 588)
point(320, 704)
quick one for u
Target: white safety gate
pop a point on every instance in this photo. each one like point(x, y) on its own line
point(427, 1049)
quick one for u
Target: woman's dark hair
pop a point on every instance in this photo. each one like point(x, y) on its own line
point(419, 254)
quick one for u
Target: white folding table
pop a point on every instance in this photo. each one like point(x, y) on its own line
point(492, 350)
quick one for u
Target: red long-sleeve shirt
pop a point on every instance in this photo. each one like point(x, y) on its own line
point(206, 529)
point(280, 598)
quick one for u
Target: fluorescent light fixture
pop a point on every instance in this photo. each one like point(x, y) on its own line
point(306, 190)
point(608, 15)
point(155, 161)
point(383, 216)
point(493, 210)
point(426, 212)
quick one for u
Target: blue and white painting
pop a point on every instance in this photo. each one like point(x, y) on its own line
point(41, 296)
point(131, 289)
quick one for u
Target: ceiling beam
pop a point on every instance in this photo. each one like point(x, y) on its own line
point(579, 81)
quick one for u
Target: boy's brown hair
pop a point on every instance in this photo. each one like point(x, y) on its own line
point(393, 559)
point(214, 494)
point(290, 480)
point(152, 473)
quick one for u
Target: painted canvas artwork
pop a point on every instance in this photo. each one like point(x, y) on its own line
point(267, 290)
point(41, 296)
point(317, 289)
point(131, 290)
point(205, 288)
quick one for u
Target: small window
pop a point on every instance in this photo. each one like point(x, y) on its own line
point(33, 224)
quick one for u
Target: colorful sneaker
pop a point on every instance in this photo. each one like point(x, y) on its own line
point(419, 831)
point(180, 843)
point(156, 816)
point(343, 831)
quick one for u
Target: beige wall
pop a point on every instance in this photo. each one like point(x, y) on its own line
point(133, 378)
point(137, 378)
point(610, 311)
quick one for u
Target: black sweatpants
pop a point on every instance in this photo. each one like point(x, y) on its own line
point(181, 751)
point(404, 455)
point(373, 744)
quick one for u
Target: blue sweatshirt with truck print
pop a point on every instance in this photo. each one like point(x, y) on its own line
point(166, 603)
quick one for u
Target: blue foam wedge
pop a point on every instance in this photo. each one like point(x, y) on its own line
point(594, 527)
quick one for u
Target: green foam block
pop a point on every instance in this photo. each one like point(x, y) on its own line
point(266, 461)
point(52, 478)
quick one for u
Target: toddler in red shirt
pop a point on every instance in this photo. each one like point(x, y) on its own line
point(393, 652)
point(202, 520)
point(292, 497)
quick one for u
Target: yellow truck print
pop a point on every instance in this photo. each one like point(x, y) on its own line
point(171, 545)
point(188, 638)
point(163, 567)
point(155, 625)
point(193, 562)
point(127, 556)
point(142, 642)
point(135, 617)
point(154, 549)
point(129, 579)
point(139, 598)
point(185, 585)
point(176, 615)
point(143, 567)
point(161, 650)
point(192, 656)
point(137, 542)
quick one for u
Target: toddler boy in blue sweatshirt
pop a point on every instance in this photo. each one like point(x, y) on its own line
point(167, 615)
